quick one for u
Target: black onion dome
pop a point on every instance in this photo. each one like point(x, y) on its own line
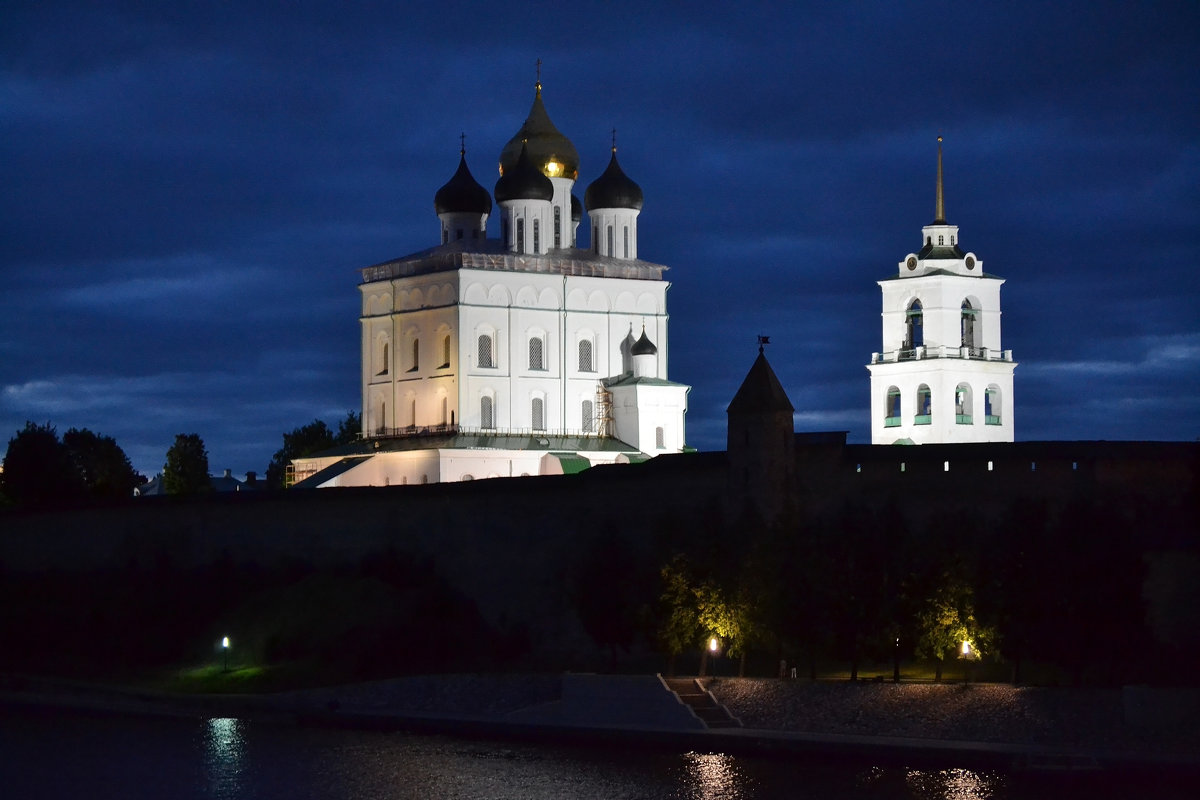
point(462, 193)
point(547, 146)
point(524, 182)
point(613, 189)
point(576, 209)
point(643, 346)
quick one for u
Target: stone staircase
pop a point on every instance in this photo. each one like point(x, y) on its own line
point(702, 703)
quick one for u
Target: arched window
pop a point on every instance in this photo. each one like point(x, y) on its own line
point(659, 438)
point(588, 416)
point(914, 335)
point(991, 405)
point(520, 236)
point(963, 404)
point(412, 413)
point(538, 414)
point(970, 325)
point(924, 406)
point(445, 410)
point(585, 356)
point(627, 241)
point(609, 251)
point(557, 227)
point(486, 351)
point(487, 417)
point(537, 353)
point(941, 240)
point(416, 355)
point(537, 236)
point(382, 366)
point(596, 239)
point(445, 352)
point(892, 408)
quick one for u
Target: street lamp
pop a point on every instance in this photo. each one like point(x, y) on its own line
point(225, 650)
point(712, 648)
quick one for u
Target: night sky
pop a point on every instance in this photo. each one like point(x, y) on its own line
point(189, 191)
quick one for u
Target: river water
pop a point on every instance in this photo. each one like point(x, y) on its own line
point(67, 755)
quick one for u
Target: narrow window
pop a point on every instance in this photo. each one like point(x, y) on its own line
point(588, 416)
point(445, 235)
point(487, 420)
point(485, 351)
point(963, 404)
point(458, 233)
point(968, 325)
point(445, 352)
point(659, 438)
point(520, 236)
point(945, 466)
point(991, 405)
point(504, 232)
point(412, 414)
point(557, 227)
point(914, 332)
point(383, 366)
point(416, 356)
point(536, 353)
point(892, 418)
point(596, 239)
point(538, 412)
point(609, 251)
point(941, 240)
point(924, 406)
point(989, 466)
point(585, 356)
point(902, 466)
point(627, 241)
point(537, 236)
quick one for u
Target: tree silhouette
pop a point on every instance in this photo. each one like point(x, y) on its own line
point(38, 470)
point(186, 470)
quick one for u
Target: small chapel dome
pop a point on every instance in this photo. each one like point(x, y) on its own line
point(613, 189)
point(462, 194)
point(524, 181)
point(643, 346)
point(551, 153)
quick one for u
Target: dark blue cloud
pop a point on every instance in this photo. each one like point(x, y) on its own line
point(189, 189)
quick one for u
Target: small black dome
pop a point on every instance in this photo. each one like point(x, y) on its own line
point(524, 182)
point(643, 346)
point(462, 193)
point(613, 189)
point(576, 209)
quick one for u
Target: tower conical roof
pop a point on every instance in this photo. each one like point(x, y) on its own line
point(462, 193)
point(760, 392)
point(551, 152)
point(613, 189)
point(524, 181)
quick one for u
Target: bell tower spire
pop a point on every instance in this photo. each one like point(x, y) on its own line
point(939, 211)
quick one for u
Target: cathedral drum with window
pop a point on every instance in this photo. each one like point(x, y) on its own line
point(942, 376)
point(516, 355)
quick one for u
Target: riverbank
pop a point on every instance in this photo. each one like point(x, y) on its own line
point(981, 724)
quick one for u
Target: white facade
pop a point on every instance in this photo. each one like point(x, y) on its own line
point(471, 345)
point(942, 375)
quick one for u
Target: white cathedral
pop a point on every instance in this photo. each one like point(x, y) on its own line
point(943, 376)
point(522, 355)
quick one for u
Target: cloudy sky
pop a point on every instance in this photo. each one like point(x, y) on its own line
point(188, 192)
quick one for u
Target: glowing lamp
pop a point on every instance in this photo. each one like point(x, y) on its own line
point(966, 651)
point(554, 169)
point(225, 642)
point(712, 644)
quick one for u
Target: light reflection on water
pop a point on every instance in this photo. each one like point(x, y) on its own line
point(60, 755)
point(224, 749)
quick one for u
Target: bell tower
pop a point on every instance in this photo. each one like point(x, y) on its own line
point(942, 375)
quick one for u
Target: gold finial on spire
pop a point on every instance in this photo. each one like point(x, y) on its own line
point(939, 211)
point(539, 76)
point(614, 135)
point(462, 144)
